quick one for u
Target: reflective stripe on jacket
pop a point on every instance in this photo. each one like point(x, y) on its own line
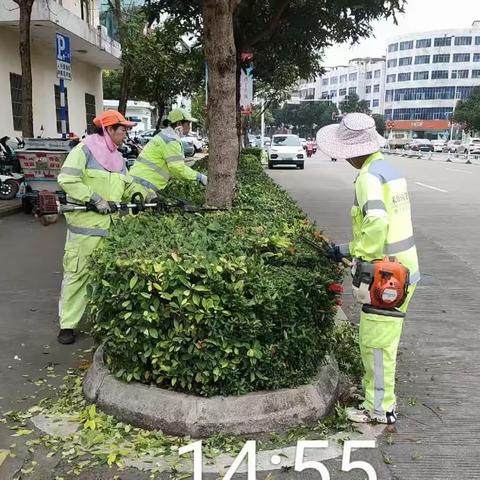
point(83, 179)
point(161, 158)
point(381, 216)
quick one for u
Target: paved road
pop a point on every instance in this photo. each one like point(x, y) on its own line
point(439, 381)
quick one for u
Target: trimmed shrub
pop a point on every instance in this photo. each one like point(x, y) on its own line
point(218, 303)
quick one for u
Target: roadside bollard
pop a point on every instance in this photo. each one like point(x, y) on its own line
point(449, 157)
point(468, 162)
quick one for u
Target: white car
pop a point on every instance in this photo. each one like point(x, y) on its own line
point(472, 146)
point(195, 141)
point(438, 145)
point(286, 150)
point(145, 136)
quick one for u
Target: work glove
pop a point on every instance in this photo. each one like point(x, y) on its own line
point(100, 205)
point(201, 178)
point(338, 252)
point(150, 197)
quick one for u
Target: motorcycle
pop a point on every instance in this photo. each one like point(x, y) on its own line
point(130, 149)
point(10, 185)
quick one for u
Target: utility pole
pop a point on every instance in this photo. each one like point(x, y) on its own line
point(453, 113)
point(262, 123)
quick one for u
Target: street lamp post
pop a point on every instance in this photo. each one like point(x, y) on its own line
point(453, 112)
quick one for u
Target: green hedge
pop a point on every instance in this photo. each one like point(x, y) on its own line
point(219, 303)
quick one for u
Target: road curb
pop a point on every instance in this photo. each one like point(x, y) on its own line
point(6, 210)
point(176, 413)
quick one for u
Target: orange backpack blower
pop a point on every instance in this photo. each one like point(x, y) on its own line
point(381, 286)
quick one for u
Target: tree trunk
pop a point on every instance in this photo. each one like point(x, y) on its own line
point(160, 112)
point(222, 103)
point(116, 5)
point(124, 89)
point(26, 63)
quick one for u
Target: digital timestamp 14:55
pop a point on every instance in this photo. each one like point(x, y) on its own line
point(249, 452)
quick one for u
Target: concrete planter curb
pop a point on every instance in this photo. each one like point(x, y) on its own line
point(180, 414)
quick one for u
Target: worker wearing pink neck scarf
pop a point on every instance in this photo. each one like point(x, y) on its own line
point(94, 172)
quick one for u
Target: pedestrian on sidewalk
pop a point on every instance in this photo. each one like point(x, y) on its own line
point(163, 157)
point(382, 226)
point(94, 172)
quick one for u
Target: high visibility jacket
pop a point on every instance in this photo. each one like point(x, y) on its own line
point(161, 159)
point(381, 217)
point(83, 179)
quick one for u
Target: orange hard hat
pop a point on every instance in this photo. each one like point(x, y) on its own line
point(111, 117)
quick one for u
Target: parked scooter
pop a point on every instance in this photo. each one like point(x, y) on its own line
point(10, 185)
point(130, 149)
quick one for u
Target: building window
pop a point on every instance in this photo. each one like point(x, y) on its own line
point(369, 75)
point(421, 59)
point(352, 90)
point(376, 88)
point(393, 47)
point(406, 45)
point(333, 93)
point(90, 109)
point(477, 40)
point(442, 58)
point(375, 102)
point(463, 40)
point(459, 74)
point(404, 77)
point(439, 113)
point(442, 42)
point(342, 92)
point(391, 78)
point(333, 80)
point(377, 74)
point(368, 89)
point(475, 73)
point(343, 78)
point(57, 108)
point(16, 96)
point(404, 61)
point(392, 63)
point(424, 43)
point(352, 77)
point(85, 10)
point(436, 74)
point(325, 81)
point(420, 75)
point(461, 57)
point(324, 94)
point(476, 57)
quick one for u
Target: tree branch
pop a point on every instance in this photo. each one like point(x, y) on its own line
point(272, 25)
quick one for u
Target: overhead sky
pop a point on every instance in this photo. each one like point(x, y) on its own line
point(420, 15)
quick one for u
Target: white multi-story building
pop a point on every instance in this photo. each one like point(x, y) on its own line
point(91, 49)
point(362, 76)
point(139, 112)
point(427, 73)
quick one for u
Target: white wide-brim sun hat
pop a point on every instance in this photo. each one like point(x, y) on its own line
point(353, 137)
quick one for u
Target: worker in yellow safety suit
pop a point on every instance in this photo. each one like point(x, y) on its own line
point(94, 172)
point(162, 157)
point(381, 224)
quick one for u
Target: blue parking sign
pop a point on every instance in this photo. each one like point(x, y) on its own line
point(63, 48)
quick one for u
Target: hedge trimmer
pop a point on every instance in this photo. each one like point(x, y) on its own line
point(49, 205)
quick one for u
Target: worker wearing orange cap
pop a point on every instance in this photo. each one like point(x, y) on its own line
point(94, 172)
